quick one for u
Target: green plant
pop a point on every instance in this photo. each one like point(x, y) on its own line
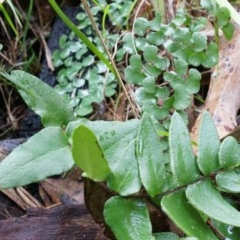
point(79, 73)
point(160, 58)
point(115, 152)
point(136, 160)
point(7, 15)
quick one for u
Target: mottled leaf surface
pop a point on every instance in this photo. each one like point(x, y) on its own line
point(206, 198)
point(208, 146)
point(128, 219)
point(176, 206)
point(45, 154)
point(182, 159)
point(42, 99)
point(150, 157)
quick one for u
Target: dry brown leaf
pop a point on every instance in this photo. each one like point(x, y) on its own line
point(223, 99)
point(64, 190)
point(22, 198)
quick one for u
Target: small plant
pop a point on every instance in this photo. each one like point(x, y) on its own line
point(134, 159)
point(163, 62)
point(79, 74)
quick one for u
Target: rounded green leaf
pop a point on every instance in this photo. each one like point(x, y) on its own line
point(211, 56)
point(180, 66)
point(193, 81)
point(141, 43)
point(128, 43)
point(199, 41)
point(88, 155)
point(184, 53)
point(136, 62)
point(134, 76)
point(196, 59)
point(152, 70)
point(149, 84)
point(178, 209)
point(56, 60)
point(229, 181)
point(128, 219)
point(208, 146)
point(155, 24)
point(229, 153)
point(156, 38)
point(150, 53)
point(84, 109)
point(182, 35)
point(228, 31)
point(182, 159)
point(182, 98)
point(70, 47)
point(172, 46)
point(162, 63)
point(223, 16)
point(199, 24)
point(87, 61)
point(140, 26)
point(206, 198)
point(62, 41)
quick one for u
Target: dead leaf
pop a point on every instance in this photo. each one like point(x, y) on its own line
point(64, 190)
point(223, 99)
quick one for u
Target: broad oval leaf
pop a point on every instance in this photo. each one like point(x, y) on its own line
point(193, 81)
point(229, 181)
point(128, 219)
point(42, 99)
point(208, 146)
point(150, 157)
point(43, 155)
point(121, 156)
point(229, 153)
point(181, 97)
point(176, 206)
point(207, 199)
point(211, 56)
point(182, 159)
point(233, 12)
point(117, 141)
point(88, 155)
